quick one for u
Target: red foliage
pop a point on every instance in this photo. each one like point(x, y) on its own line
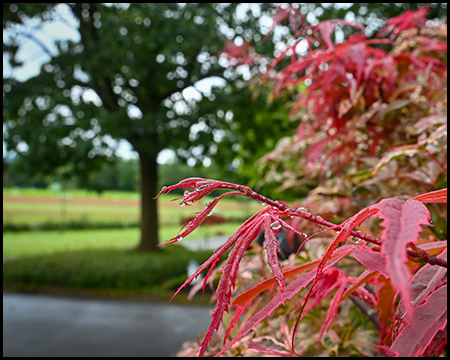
point(390, 260)
point(372, 94)
point(362, 103)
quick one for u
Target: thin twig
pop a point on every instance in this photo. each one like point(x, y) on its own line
point(422, 256)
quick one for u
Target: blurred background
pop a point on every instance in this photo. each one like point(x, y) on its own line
point(104, 104)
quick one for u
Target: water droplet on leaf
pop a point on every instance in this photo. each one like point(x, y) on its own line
point(263, 203)
point(304, 210)
point(186, 192)
point(319, 218)
point(182, 203)
point(179, 238)
point(209, 214)
point(356, 240)
point(163, 188)
point(275, 225)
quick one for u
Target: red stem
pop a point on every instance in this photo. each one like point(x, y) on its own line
point(422, 257)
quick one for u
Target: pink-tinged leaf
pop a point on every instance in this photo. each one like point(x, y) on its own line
point(438, 344)
point(192, 225)
point(431, 44)
point(284, 328)
point(434, 247)
point(438, 196)
point(358, 55)
point(293, 288)
point(430, 318)
point(326, 30)
point(290, 290)
point(371, 260)
point(186, 183)
point(271, 246)
point(402, 224)
point(387, 62)
point(407, 20)
point(269, 351)
point(221, 249)
point(290, 13)
point(342, 237)
point(228, 279)
point(247, 296)
point(426, 280)
point(356, 285)
point(334, 305)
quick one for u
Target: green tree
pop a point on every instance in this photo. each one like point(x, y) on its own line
point(124, 79)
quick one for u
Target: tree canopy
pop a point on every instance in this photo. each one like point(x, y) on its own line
point(134, 74)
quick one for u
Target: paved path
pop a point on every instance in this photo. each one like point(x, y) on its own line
point(39, 325)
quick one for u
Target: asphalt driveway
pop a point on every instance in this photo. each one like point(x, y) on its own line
point(40, 325)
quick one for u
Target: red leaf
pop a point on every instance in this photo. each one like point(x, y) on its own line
point(408, 19)
point(341, 281)
point(271, 246)
point(386, 296)
point(430, 318)
point(402, 223)
point(358, 55)
point(228, 279)
point(326, 30)
point(371, 260)
point(269, 351)
point(293, 288)
point(438, 196)
point(424, 282)
point(202, 216)
point(363, 278)
point(221, 249)
point(247, 296)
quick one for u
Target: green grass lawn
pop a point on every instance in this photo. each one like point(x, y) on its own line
point(16, 244)
point(38, 206)
point(102, 261)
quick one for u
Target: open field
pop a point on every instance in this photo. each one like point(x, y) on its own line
point(34, 206)
point(16, 244)
point(100, 261)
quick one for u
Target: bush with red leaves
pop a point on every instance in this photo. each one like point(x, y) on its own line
point(373, 134)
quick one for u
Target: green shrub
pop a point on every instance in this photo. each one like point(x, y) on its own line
point(101, 269)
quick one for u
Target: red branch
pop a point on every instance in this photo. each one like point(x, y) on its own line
point(423, 256)
point(206, 186)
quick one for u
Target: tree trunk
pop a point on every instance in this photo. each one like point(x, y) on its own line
point(149, 208)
